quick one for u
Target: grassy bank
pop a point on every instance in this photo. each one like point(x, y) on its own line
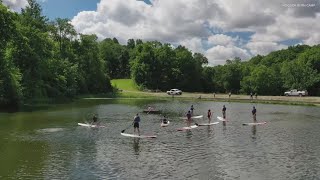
point(311, 101)
point(130, 90)
point(124, 84)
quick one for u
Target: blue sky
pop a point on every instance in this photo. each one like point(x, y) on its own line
point(68, 8)
point(220, 29)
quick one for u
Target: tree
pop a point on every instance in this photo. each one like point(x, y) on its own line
point(63, 32)
point(262, 80)
point(131, 44)
point(116, 58)
point(299, 75)
point(91, 67)
point(200, 58)
point(10, 77)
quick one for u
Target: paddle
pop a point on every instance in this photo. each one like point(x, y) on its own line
point(195, 122)
point(126, 128)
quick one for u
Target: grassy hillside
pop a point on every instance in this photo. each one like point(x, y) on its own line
point(124, 84)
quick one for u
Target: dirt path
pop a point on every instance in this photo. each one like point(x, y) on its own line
point(309, 100)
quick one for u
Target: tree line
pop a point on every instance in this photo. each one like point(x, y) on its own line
point(42, 59)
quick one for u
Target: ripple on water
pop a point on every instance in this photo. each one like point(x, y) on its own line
point(49, 130)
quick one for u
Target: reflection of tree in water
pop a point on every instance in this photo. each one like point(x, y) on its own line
point(136, 146)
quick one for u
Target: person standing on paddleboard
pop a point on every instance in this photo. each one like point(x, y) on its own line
point(224, 111)
point(209, 115)
point(136, 122)
point(189, 119)
point(191, 110)
point(254, 114)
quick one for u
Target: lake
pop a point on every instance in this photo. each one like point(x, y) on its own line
point(48, 143)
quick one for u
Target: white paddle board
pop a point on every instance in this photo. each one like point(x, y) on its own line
point(165, 125)
point(137, 136)
point(253, 124)
point(187, 128)
point(90, 125)
point(209, 124)
point(193, 117)
point(221, 118)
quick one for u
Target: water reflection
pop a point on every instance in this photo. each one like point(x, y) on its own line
point(224, 127)
point(254, 132)
point(136, 146)
point(188, 134)
point(210, 131)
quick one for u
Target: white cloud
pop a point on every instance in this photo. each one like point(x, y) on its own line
point(264, 48)
point(221, 39)
point(194, 44)
point(15, 5)
point(191, 22)
point(219, 54)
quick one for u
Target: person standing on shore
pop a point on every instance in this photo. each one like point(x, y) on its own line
point(251, 96)
point(229, 95)
point(254, 114)
point(224, 109)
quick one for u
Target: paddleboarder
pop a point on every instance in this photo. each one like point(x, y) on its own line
point(136, 122)
point(224, 111)
point(94, 120)
point(189, 118)
point(209, 115)
point(254, 114)
point(150, 108)
point(191, 110)
point(164, 120)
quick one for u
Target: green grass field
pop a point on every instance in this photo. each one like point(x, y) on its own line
point(124, 84)
point(131, 91)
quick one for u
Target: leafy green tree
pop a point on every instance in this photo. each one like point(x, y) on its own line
point(92, 69)
point(116, 58)
point(10, 77)
point(263, 80)
point(63, 32)
point(131, 44)
point(299, 75)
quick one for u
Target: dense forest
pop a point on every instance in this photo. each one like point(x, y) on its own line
point(42, 59)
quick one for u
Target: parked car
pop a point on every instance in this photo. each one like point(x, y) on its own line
point(295, 92)
point(174, 92)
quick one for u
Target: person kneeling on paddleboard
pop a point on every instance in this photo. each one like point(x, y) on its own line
point(189, 119)
point(254, 114)
point(164, 120)
point(136, 122)
point(94, 120)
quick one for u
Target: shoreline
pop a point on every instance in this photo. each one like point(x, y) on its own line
point(286, 100)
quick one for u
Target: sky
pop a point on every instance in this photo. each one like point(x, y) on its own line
point(220, 29)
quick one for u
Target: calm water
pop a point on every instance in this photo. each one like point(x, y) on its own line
point(48, 144)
